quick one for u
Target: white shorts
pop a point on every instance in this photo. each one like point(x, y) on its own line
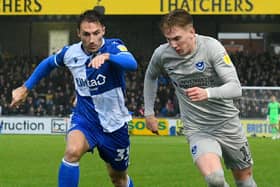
point(229, 142)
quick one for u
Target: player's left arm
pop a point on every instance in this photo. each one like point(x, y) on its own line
point(230, 87)
point(119, 56)
point(125, 60)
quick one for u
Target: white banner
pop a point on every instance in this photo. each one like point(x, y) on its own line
point(167, 126)
point(33, 125)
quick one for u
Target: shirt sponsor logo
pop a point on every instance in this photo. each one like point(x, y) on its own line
point(203, 82)
point(93, 83)
point(200, 66)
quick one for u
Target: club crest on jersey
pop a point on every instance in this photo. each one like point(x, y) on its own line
point(200, 66)
point(194, 149)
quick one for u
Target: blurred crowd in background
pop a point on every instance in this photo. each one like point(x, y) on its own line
point(53, 96)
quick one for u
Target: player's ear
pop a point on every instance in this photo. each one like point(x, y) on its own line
point(192, 30)
point(78, 33)
point(104, 29)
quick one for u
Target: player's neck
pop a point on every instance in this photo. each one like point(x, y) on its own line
point(194, 44)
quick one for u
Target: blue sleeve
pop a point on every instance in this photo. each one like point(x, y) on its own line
point(125, 60)
point(119, 55)
point(59, 56)
point(41, 71)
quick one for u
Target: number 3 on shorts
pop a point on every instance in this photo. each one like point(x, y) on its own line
point(122, 154)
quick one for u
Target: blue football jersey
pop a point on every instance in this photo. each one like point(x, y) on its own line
point(100, 92)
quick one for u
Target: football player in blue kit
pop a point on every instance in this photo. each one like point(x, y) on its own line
point(100, 117)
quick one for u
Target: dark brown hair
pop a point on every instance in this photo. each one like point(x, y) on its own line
point(90, 16)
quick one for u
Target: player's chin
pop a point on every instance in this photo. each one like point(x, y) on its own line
point(181, 53)
point(93, 50)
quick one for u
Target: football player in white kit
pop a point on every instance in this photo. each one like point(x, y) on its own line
point(205, 82)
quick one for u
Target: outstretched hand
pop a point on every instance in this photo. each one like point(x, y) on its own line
point(98, 60)
point(152, 124)
point(19, 96)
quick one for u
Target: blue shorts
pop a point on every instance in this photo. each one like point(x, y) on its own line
point(113, 147)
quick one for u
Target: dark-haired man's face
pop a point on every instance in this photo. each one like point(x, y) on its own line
point(91, 35)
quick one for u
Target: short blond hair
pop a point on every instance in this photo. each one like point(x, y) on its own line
point(177, 17)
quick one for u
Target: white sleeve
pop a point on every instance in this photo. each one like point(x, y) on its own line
point(151, 83)
point(226, 71)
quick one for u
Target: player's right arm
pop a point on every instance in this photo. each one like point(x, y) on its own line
point(152, 123)
point(42, 70)
point(150, 91)
point(19, 95)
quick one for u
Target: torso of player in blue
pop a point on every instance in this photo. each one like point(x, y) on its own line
point(100, 92)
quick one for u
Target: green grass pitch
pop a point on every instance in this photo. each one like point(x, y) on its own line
point(33, 161)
